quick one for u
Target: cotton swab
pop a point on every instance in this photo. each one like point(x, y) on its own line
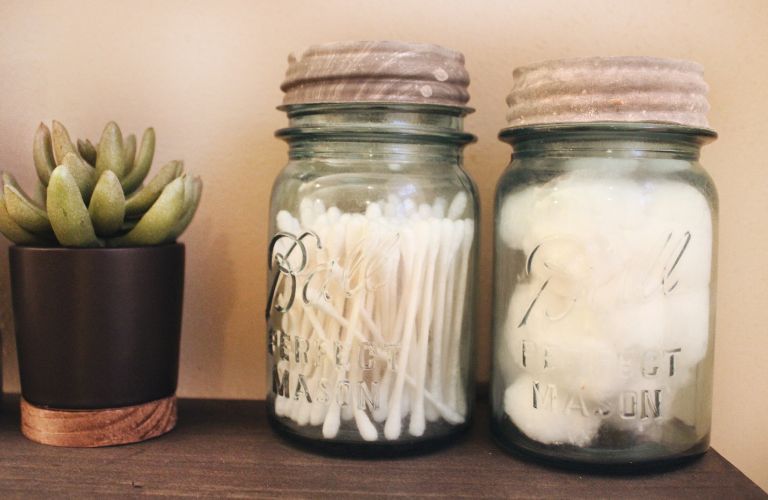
point(414, 275)
point(381, 281)
point(417, 423)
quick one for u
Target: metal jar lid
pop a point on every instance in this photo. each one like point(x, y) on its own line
point(609, 89)
point(376, 72)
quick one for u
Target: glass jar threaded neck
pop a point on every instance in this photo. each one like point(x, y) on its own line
point(608, 139)
point(417, 132)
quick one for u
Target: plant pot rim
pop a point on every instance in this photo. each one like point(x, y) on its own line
point(113, 250)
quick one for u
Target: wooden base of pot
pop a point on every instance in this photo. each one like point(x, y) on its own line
point(94, 428)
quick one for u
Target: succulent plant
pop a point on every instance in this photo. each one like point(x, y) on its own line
point(93, 195)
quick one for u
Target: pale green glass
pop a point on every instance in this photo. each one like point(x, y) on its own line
point(369, 344)
point(605, 258)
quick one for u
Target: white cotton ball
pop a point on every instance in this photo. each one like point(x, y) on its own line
point(587, 366)
point(687, 329)
point(549, 425)
point(639, 325)
point(581, 359)
point(516, 216)
point(618, 279)
point(564, 262)
point(614, 217)
point(569, 349)
point(584, 206)
point(677, 203)
point(509, 350)
point(592, 215)
point(593, 167)
point(682, 218)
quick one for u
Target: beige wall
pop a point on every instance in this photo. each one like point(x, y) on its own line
point(206, 76)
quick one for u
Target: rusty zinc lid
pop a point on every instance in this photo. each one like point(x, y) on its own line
point(376, 71)
point(599, 89)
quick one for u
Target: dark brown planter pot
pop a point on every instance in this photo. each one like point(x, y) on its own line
point(97, 329)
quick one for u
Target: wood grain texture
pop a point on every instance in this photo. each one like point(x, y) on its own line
point(225, 448)
point(96, 428)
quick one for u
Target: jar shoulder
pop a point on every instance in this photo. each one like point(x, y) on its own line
point(306, 173)
point(639, 174)
point(353, 186)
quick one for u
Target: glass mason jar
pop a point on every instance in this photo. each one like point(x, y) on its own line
point(604, 293)
point(372, 263)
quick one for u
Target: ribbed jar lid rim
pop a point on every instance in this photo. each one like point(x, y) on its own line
point(378, 72)
point(609, 89)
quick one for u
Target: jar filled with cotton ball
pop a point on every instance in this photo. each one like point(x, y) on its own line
point(604, 257)
point(372, 251)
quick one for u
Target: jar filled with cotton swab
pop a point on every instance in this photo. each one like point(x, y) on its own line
point(604, 285)
point(372, 251)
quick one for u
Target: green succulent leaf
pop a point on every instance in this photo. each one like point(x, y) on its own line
point(139, 172)
point(107, 206)
point(129, 152)
point(140, 201)
point(157, 224)
point(128, 225)
point(62, 144)
point(13, 231)
point(41, 192)
point(10, 180)
point(42, 153)
point(38, 197)
point(110, 154)
point(87, 194)
point(25, 212)
point(87, 151)
point(193, 189)
point(67, 211)
point(84, 174)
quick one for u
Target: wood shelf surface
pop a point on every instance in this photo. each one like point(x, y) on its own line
point(226, 448)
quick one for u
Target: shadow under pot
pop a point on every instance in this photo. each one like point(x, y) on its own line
point(97, 334)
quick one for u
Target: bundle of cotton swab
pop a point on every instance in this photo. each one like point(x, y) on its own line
point(610, 318)
point(374, 332)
